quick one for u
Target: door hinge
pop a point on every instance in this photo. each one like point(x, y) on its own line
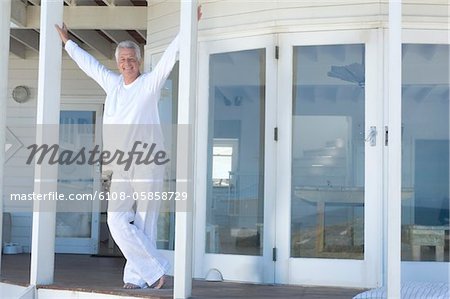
point(277, 52)
point(275, 133)
point(386, 135)
point(274, 254)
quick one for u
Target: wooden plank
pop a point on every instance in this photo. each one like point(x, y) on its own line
point(29, 64)
point(95, 41)
point(425, 10)
point(17, 121)
point(118, 35)
point(18, 13)
point(17, 48)
point(23, 112)
point(162, 9)
point(162, 23)
point(29, 38)
point(21, 74)
point(224, 18)
point(96, 17)
point(105, 273)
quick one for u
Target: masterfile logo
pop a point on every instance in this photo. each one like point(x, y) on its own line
point(147, 155)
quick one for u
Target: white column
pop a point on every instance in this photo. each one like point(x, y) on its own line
point(186, 105)
point(393, 268)
point(48, 109)
point(5, 12)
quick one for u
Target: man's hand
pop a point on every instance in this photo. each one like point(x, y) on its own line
point(199, 12)
point(63, 33)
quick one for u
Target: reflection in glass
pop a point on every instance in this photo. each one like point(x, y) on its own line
point(327, 212)
point(168, 112)
point(235, 198)
point(425, 152)
point(77, 130)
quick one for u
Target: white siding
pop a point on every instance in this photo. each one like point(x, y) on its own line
point(20, 117)
point(21, 229)
point(232, 18)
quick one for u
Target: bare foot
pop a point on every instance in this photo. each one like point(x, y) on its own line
point(160, 283)
point(131, 286)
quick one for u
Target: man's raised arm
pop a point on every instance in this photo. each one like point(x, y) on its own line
point(86, 62)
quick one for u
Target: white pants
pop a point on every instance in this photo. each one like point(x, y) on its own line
point(137, 240)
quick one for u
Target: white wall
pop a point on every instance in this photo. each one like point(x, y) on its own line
point(21, 119)
point(231, 18)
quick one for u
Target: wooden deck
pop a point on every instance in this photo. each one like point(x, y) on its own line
point(103, 275)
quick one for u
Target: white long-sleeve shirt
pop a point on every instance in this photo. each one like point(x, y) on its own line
point(133, 106)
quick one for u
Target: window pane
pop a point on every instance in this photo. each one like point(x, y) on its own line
point(234, 219)
point(425, 152)
point(327, 212)
point(168, 112)
point(77, 131)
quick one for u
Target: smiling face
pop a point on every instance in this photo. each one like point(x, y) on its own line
point(128, 64)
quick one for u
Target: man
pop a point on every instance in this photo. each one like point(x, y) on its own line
point(132, 102)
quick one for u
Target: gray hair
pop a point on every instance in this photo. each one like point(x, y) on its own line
point(128, 44)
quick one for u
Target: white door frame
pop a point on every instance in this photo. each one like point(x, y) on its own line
point(423, 270)
point(85, 245)
point(257, 269)
point(328, 272)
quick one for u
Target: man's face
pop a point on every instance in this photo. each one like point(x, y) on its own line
point(128, 64)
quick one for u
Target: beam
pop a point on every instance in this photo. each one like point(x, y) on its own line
point(109, 2)
point(29, 38)
point(142, 33)
point(124, 3)
point(71, 2)
point(118, 35)
point(17, 48)
point(5, 13)
point(95, 41)
point(118, 2)
point(46, 175)
point(186, 115)
point(96, 17)
point(18, 13)
point(393, 267)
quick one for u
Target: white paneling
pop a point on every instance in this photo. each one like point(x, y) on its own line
point(21, 117)
point(231, 18)
point(99, 17)
point(21, 229)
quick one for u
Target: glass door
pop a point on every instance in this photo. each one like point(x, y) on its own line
point(425, 156)
point(78, 216)
point(329, 160)
point(235, 158)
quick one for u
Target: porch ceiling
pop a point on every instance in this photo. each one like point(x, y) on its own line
point(94, 24)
